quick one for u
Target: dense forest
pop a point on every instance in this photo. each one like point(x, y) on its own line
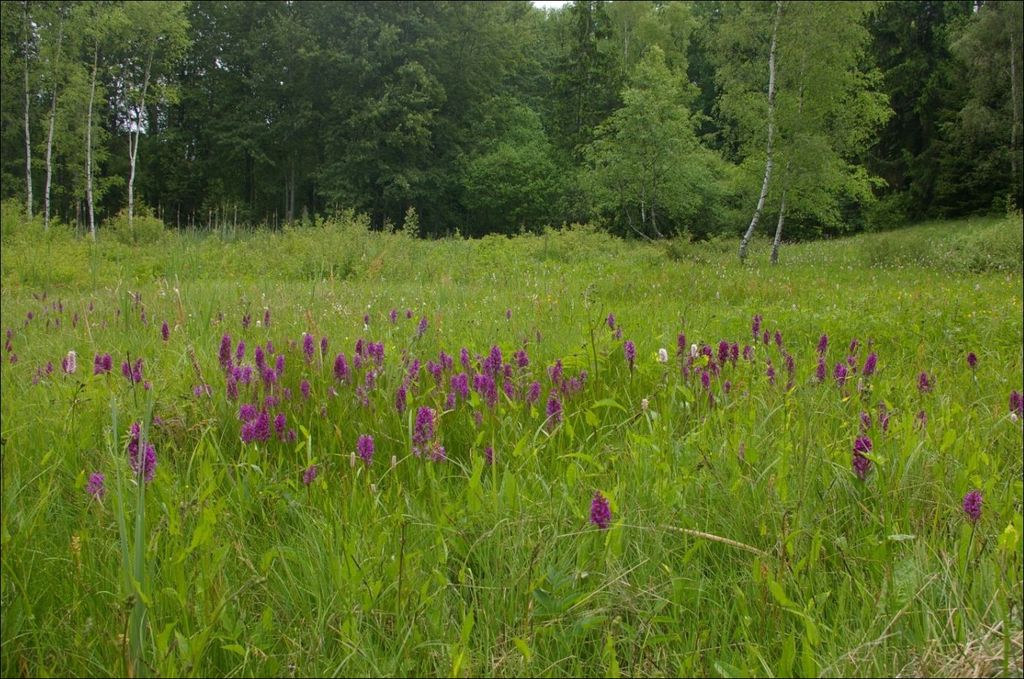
point(646, 118)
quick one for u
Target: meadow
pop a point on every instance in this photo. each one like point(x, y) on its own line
point(332, 451)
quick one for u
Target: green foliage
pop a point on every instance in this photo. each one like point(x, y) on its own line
point(921, 79)
point(13, 221)
point(589, 78)
point(38, 257)
point(889, 212)
point(828, 107)
point(981, 167)
point(411, 223)
point(513, 182)
point(144, 229)
point(501, 117)
point(638, 27)
point(646, 167)
point(150, 39)
point(682, 248)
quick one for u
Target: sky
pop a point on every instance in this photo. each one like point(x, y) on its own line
point(549, 4)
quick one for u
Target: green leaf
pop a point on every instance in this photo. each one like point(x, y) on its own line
point(162, 639)
point(788, 656)
point(467, 627)
point(609, 403)
point(520, 445)
point(1009, 539)
point(779, 595)
point(610, 657)
point(137, 586)
point(727, 670)
point(807, 661)
point(267, 559)
point(474, 491)
point(523, 647)
point(812, 634)
point(570, 475)
point(901, 537)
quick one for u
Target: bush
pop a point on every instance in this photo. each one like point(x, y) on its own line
point(14, 223)
point(577, 242)
point(411, 223)
point(145, 229)
point(887, 213)
point(682, 248)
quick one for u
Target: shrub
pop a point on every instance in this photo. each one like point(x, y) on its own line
point(145, 228)
point(889, 212)
point(411, 223)
point(682, 248)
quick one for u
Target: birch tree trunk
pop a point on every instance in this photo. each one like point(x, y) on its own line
point(133, 141)
point(786, 179)
point(88, 143)
point(1015, 132)
point(778, 228)
point(49, 136)
point(745, 243)
point(49, 165)
point(28, 134)
point(287, 199)
point(289, 193)
point(654, 205)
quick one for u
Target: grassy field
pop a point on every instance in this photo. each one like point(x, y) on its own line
point(746, 536)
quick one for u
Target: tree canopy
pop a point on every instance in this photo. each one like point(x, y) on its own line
point(649, 118)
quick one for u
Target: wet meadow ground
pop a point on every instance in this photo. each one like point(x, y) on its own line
point(329, 451)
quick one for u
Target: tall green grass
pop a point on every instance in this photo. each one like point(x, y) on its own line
point(741, 542)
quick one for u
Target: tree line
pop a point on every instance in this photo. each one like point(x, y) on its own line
point(647, 118)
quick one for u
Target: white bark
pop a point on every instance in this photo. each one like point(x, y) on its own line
point(654, 218)
point(49, 136)
point(88, 144)
point(133, 141)
point(778, 229)
point(289, 193)
point(745, 243)
point(49, 165)
point(785, 174)
point(28, 134)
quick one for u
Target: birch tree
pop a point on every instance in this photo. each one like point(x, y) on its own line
point(101, 24)
point(55, 70)
point(27, 47)
point(155, 36)
point(745, 242)
point(820, 113)
point(91, 206)
point(828, 113)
